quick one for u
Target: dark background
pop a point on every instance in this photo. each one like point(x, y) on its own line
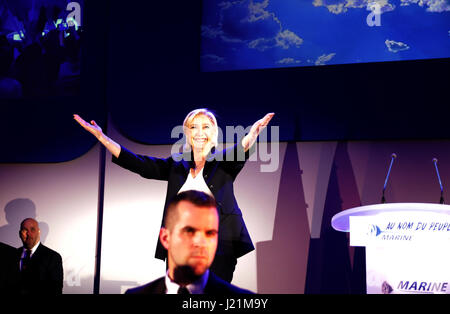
point(141, 68)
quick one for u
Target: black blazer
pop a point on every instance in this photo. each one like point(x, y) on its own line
point(9, 270)
point(214, 285)
point(45, 273)
point(220, 171)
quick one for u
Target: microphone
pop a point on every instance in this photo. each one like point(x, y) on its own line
point(440, 182)
point(393, 156)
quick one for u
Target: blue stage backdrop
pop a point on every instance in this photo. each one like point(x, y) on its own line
point(250, 34)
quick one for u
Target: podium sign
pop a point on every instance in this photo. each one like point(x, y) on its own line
point(407, 245)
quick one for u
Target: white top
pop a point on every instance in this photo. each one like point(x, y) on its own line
point(198, 183)
point(197, 287)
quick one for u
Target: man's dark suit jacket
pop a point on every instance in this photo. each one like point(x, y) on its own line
point(9, 270)
point(214, 285)
point(44, 274)
point(220, 171)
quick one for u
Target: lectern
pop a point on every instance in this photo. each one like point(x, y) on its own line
point(407, 245)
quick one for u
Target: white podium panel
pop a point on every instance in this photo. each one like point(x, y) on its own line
point(397, 269)
point(407, 245)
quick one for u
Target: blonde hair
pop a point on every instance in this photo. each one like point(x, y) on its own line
point(194, 113)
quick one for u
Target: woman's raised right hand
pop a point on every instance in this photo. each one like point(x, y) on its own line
point(92, 127)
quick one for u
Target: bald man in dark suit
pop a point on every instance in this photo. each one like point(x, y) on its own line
point(41, 270)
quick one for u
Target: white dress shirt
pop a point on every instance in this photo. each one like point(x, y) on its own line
point(24, 252)
point(197, 287)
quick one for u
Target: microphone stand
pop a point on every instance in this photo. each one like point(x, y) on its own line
point(383, 199)
point(441, 201)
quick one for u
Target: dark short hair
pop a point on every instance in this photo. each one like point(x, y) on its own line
point(198, 198)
